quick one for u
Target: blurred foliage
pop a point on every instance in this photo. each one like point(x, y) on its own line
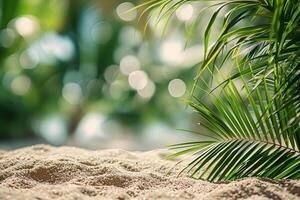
point(66, 59)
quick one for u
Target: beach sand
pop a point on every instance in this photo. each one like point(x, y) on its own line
point(45, 172)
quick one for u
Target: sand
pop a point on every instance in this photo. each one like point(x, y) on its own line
point(45, 172)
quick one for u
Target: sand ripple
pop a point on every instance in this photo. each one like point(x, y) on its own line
point(45, 172)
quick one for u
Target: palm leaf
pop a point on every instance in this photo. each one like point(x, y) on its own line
point(248, 145)
point(254, 125)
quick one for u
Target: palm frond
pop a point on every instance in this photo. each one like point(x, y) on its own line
point(254, 125)
point(249, 141)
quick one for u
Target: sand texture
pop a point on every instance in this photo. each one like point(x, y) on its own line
point(45, 172)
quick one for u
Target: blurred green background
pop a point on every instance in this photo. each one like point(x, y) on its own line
point(85, 73)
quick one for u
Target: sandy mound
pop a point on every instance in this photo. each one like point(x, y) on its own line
point(44, 172)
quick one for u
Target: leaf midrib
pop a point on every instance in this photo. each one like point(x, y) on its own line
point(263, 142)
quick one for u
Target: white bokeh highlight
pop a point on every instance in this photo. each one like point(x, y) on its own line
point(138, 79)
point(123, 11)
point(176, 88)
point(91, 126)
point(26, 25)
point(72, 93)
point(148, 91)
point(129, 64)
point(20, 85)
point(171, 52)
point(185, 12)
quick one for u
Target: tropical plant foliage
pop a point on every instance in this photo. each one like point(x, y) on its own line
point(252, 116)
